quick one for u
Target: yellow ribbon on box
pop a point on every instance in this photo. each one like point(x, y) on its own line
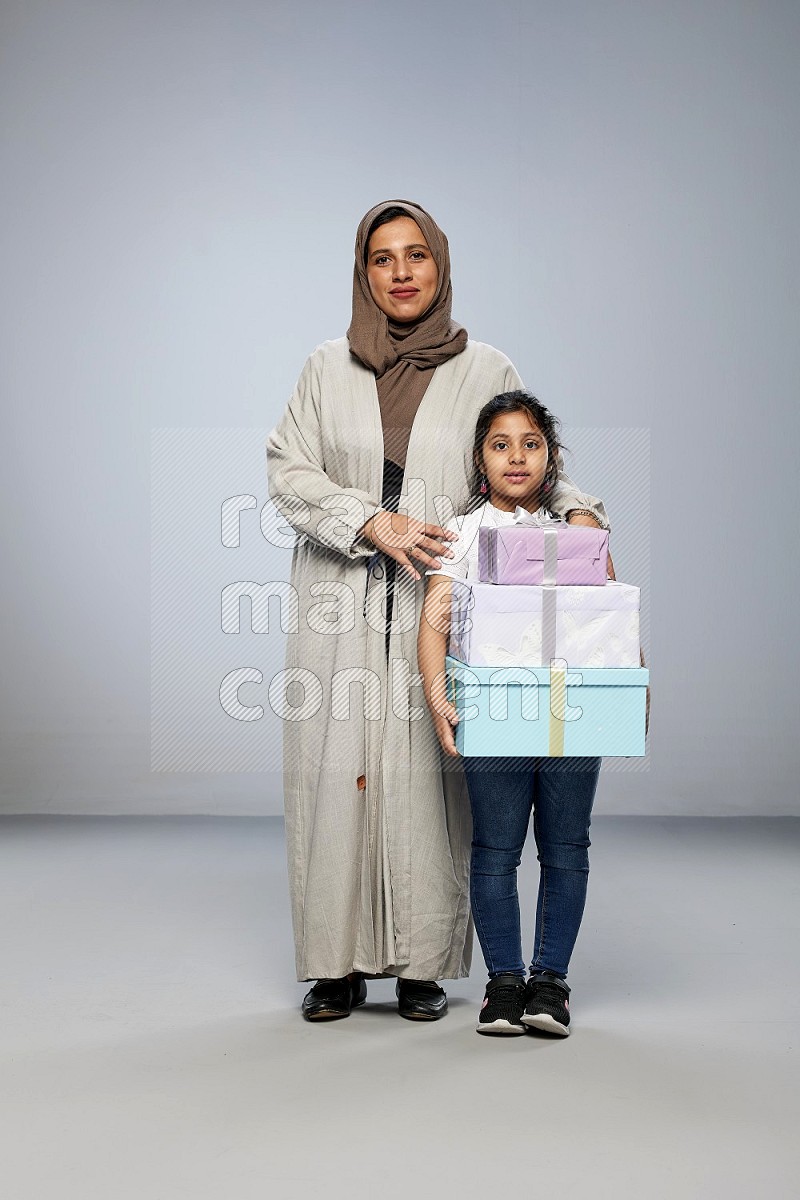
point(558, 708)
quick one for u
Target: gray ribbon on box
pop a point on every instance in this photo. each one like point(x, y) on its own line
point(549, 617)
point(523, 517)
point(550, 557)
point(491, 556)
point(550, 568)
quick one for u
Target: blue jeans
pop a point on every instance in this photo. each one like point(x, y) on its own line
point(502, 792)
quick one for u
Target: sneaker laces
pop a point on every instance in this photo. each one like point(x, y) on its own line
point(505, 991)
point(549, 991)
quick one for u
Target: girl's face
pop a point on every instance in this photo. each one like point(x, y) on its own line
point(401, 272)
point(514, 460)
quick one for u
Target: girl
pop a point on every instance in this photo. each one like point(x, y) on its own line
point(515, 451)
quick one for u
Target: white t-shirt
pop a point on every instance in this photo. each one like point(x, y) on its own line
point(464, 564)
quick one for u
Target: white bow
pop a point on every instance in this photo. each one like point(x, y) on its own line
point(523, 517)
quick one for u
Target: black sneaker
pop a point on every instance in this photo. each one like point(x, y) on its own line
point(547, 1004)
point(503, 1005)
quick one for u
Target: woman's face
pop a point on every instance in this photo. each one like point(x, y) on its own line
point(402, 274)
point(515, 456)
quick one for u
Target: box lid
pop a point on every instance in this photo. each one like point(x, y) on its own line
point(540, 676)
point(527, 597)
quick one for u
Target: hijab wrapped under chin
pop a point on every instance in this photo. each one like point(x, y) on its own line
point(403, 356)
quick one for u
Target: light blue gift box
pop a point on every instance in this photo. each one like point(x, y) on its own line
point(550, 712)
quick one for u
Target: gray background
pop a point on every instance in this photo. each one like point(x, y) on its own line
point(182, 183)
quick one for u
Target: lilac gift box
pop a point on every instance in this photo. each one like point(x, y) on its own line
point(556, 553)
point(529, 626)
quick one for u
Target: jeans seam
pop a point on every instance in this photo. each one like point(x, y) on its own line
point(538, 958)
point(482, 938)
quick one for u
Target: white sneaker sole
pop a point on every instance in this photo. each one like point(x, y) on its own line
point(501, 1026)
point(546, 1022)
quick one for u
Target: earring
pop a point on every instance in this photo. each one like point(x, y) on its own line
point(484, 486)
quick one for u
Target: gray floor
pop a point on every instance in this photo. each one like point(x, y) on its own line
point(152, 1046)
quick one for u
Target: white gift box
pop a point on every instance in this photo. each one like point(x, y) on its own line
point(528, 625)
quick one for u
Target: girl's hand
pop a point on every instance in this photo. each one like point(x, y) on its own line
point(444, 716)
point(647, 701)
point(443, 724)
point(402, 537)
point(579, 517)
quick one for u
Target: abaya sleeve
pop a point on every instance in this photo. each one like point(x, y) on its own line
point(310, 500)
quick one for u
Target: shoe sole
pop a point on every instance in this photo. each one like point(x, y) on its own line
point(501, 1026)
point(546, 1023)
point(416, 1016)
point(326, 1014)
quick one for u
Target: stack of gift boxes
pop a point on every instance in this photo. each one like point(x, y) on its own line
point(544, 649)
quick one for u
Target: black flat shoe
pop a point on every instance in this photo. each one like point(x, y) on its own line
point(330, 999)
point(420, 1000)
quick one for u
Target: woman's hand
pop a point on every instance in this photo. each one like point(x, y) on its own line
point(444, 715)
point(400, 536)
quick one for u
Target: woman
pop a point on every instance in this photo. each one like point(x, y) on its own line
point(377, 823)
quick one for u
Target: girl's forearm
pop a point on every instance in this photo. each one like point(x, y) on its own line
point(434, 636)
point(431, 652)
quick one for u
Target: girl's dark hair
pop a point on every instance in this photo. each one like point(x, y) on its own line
point(383, 219)
point(506, 402)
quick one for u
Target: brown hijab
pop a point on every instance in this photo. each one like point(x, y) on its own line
point(403, 356)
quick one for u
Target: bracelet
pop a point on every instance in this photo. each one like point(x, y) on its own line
point(366, 536)
point(583, 512)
